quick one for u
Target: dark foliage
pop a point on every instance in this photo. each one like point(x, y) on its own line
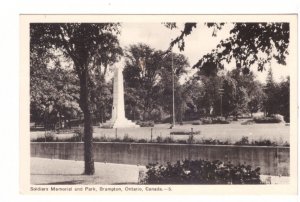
point(246, 43)
point(243, 141)
point(126, 138)
point(48, 137)
point(89, 46)
point(271, 119)
point(166, 140)
point(142, 141)
point(215, 120)
point(206, 120)
point(145, 123)
point(185, 133)
point(201, 172)
point(211, 141)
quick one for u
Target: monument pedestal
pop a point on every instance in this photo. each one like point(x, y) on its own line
point(118, 119)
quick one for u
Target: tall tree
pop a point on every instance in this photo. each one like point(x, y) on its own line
point(141, 72)
point(208, 102)
point(178, 64)
point(89, 46)
point(242, 93)
point(271, 91)
point(284, 99)
point(257, 96)
point(147, 75)
point(189, 94)
point(54, 92)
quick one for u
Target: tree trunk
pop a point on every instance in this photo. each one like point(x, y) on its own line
point(88, 144)
point(89, 168)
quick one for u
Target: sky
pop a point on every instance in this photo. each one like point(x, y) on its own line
point(198, 43)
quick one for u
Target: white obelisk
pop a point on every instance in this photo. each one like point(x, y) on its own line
point(118, 119)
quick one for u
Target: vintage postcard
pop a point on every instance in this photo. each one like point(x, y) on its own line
point(158, 104)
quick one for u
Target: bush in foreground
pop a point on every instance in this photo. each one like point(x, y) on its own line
point(201, 172)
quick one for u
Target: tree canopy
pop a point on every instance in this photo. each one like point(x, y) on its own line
point(91, 47)
point(249, 44)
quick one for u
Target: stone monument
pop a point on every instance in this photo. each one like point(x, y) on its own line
point(118, 119)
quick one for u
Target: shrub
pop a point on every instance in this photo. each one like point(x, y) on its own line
point(74, 138)
point(78, 134)
point(220, 120)
point(146, 123)
point(206, 120)
point(196, 123)
point(167, 120)
point(191, 139)
point(201, 172)
point(232, 119)
point(263, 143)
point(126, 138)
point(106, 126)
point(168, 140)
point(271, 119)
point(75, 122)
point(114, 140)
point(180, 141)
point(248, 122)
point(48, 137)
point(159, 139)
point(101, 139)
point(142, 141)
point(216, 120)
point(243, 141)
point(185, 133)
point(211, 141)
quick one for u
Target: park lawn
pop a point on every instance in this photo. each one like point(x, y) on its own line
point(227, 132)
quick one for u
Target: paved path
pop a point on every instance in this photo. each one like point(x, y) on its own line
point(55, 171)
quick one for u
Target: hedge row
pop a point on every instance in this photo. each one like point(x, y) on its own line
point(169, 140)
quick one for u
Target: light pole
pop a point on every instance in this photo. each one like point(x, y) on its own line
point(265, 101)
point(221, 91)
point(173, 90)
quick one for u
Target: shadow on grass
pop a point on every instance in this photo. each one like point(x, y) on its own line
point(37, 129)
point(71, 182)
point(60, 174)
point(125, 183)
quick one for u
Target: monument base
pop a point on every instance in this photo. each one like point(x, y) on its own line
point(120, 123)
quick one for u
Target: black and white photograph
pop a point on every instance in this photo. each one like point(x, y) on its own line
point(124, 104)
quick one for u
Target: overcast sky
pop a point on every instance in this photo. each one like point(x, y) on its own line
point(198, 43)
